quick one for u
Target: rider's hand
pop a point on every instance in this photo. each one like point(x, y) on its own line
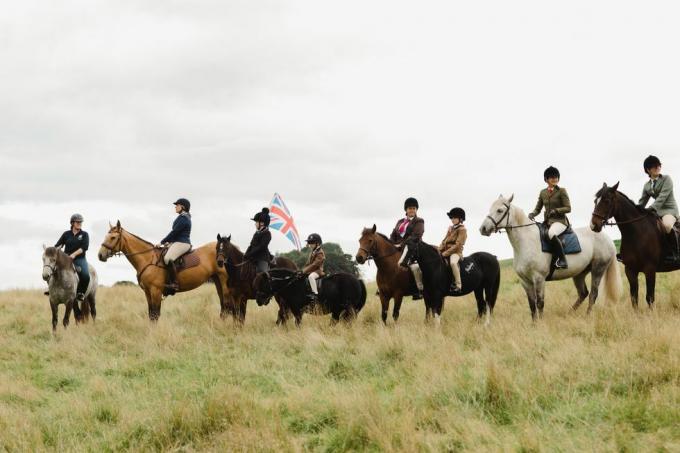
point(159, 246)
point(532, 217)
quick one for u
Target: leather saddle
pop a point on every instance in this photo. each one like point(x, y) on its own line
point(569, 240)
point(186, 261)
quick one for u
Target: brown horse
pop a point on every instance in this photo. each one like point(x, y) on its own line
point(147, 261)
point(394, 281)
point(241, 278)
point(643, 241)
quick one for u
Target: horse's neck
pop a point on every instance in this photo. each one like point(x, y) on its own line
point(388, 255)
point(523, 239)
point(235, 253)
point(133, 248)
point(626, 211)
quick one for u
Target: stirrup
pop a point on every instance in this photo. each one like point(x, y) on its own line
point(417, 295)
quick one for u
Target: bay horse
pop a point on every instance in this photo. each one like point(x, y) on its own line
point(147, 261)
point(241, 276)
point(597, 257)
point(643, 241)
point(394, 281)
point(480, 273)
point(342, 295)
point(62, 279)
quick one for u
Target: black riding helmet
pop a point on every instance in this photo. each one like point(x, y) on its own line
point(551, 172)
point(183, 202)
point(651, 162)
point(76, 218)
point(458, 213)
point(262, 216)
point(410, 203)
point(314, 239)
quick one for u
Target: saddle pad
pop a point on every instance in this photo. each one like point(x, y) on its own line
point(569, 240)
point(187, 261)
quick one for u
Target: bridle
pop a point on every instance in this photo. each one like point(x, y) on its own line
point(611, 214)
point(51, 268)
point(373, 256)
point(113, 252)
point(506, 215)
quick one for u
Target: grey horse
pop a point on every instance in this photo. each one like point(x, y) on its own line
point(62, 279)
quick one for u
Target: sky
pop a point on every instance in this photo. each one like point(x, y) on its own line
point(114, 109)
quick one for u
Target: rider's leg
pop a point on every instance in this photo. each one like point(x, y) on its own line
point(83, 277)
point(554, 231)
point(175, 250)
point(672, 236)
point(418, 276)
point(312, 282)
point(455, 268)
point(261, 266)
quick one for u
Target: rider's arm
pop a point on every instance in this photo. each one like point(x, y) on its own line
point(566, 203)
point(61, 241)
point(644, 199)
point(418, 230)
point(537, 209)
point(666, 192)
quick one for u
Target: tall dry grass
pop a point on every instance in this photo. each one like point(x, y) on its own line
point(606, 382)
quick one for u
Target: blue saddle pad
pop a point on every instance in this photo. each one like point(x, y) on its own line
point(569, 240)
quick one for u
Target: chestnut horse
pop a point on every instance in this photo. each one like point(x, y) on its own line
point(241, 278)
point(643, 241)
point(147, 261)
point(393, 280)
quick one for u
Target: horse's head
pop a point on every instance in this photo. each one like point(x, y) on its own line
point(367, 245)
point(263, 288)
point(499, 216)
point(113, 242)
point(605, 205)
point(221, 248)
point(49, 259)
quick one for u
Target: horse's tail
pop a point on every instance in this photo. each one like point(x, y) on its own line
point(612, 286)
point(362, 297)
point(491, 298)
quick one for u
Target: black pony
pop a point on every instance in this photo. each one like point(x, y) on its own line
point(342, 295)
point(480, 272)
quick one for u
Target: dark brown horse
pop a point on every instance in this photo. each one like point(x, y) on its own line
point(241, 276)
point(643, 241)
point(394, 281)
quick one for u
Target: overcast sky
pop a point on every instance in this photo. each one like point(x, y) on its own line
point(115, 108)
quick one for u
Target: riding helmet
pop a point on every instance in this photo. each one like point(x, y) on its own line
point(458, 213)
point(183, 202)
point(410, 203)
point(314, 239)
point(651, 162)
point(262, 216)
point(76, 218)
point(551, 172)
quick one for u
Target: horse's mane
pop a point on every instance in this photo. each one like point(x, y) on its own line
point(639, 208)
point(137, 237)
point(383, 236)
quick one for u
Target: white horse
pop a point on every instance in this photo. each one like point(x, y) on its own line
point(598, 256)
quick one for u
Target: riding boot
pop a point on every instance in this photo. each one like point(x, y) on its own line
point(673, 247)
point(418, 277)
point(171, 285)
point(558, 251)
point(80, 297)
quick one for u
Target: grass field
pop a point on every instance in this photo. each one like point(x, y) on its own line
point(608, 382)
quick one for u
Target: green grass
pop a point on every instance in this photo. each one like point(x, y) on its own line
point(608, 382)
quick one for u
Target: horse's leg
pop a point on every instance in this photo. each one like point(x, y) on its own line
point(242, 310)
point(397, 306)
point(598, 272)
point(650, 277)
point(540, 296)
point(220, 293)
point(153, 298)
point(77, 313)
point(55, 316)
point(632, 276)
point(67, 314)
point(438, 305)
point(481, 303)
point(335, 316)
point(531, 296)
point(385, 304)
point(93, 306)
point(581, 290)
point(297, 313)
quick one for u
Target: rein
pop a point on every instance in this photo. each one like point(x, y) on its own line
point(611, 214)
point(498, 228)
point(372, 256)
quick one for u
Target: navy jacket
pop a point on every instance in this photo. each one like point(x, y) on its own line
point(181, 230)
point(73, 242)
point(258, 249)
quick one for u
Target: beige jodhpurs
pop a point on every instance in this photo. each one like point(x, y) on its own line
point(176, 250)
point(453, 261)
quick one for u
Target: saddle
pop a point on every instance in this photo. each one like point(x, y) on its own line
point(569, 240)
point(186, 261)
point(469, 274)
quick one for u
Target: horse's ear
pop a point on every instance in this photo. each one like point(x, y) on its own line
point(512, 197)
point(616, 186)
point(229, 238)
point(118, 224)
point(44, 247)
point(374, 229)
point(219, 237)
point(110, 226)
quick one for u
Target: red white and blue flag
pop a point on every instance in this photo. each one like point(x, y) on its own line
point(281, 220)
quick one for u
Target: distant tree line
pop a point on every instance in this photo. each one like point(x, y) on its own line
point(336, 259)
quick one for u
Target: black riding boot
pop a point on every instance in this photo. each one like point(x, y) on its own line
point(558, 251)
point(674, 247)
point(171, 285)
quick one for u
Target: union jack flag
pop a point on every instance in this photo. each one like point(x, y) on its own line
point(282, 220)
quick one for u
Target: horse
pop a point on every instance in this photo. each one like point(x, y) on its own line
point(643, 241)
point(147, 261)
point(480, 273)
point(342, 294)
point(533, 266)
point(241, 276)
point(393, 280)
point(62, 279)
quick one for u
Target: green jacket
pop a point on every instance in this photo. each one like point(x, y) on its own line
point(662, 193)
point(556, 204)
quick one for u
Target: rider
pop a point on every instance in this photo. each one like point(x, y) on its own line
point(314, 266)
point(453, 243)
point(178, 242)
point(660, 188)
point(411, 226)
point(258, 251)
point(76, 242)
point(557, 205)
